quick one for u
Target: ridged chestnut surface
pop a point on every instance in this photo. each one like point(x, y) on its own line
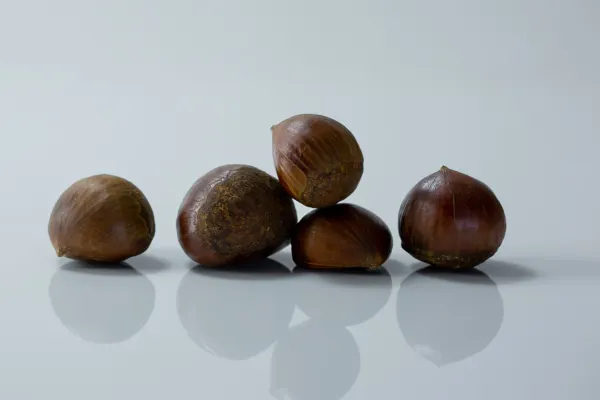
point(235, 214)
point(102, 218)
point(451, 220)
point(318, 160)
point(341, 236)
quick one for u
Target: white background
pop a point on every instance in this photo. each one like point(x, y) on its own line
point(160, 92)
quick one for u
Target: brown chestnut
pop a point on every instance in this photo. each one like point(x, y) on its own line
point(451, 220)
point(235, 214)
point(318, 160)
point(102, 218)
point(341, 236)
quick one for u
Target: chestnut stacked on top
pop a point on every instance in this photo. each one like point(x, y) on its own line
point(319, 163)
point(238, 214)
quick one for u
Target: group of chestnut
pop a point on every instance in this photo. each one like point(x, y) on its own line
point(236, 214)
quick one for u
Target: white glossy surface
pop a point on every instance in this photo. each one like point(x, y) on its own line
point(161, 92)
point(518, 329)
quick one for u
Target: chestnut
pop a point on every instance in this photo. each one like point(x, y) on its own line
point(102, 218)
point(235, 214)
point(318, 160)
point(451, 220)
point(341, 236)
point(102, 305)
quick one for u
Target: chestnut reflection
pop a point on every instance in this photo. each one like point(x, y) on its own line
point(448, 316)
point(101, 304)
point(236, 312)
point(346, 297)
point(315, 360)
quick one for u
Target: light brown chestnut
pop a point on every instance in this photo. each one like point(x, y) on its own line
point(451, 220)
point(235, 214)
point(341, 236)
point(102, 218)
point(318, 160)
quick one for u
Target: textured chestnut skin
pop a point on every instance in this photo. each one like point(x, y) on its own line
point(318, 160)
point(235, 214)
point(341, 236)
point(451, 220)
point(102, 218)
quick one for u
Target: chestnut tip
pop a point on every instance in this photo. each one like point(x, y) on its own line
point(235, 214)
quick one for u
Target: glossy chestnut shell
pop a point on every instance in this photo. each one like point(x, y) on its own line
point(235, 214)
point(451, 220)
point(102, 218)
point(318, 160)
point(341, 236)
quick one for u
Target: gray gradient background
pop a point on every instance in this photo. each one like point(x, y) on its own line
point(161, 92)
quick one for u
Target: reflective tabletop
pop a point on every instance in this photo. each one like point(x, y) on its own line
point(159, 326)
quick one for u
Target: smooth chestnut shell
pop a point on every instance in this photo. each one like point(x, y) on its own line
point(341, 236)
point(451, 220)
point(235, 214)
point(102, 218)
point(318, 160)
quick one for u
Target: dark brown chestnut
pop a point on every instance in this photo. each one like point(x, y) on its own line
point(451, 220)
point(102, 218)
point(235, 214)
point(318, 160)
point(341, 236)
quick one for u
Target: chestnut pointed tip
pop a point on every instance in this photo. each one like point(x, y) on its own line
point(373, 263)
point(444, 169)
point(60, 252)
